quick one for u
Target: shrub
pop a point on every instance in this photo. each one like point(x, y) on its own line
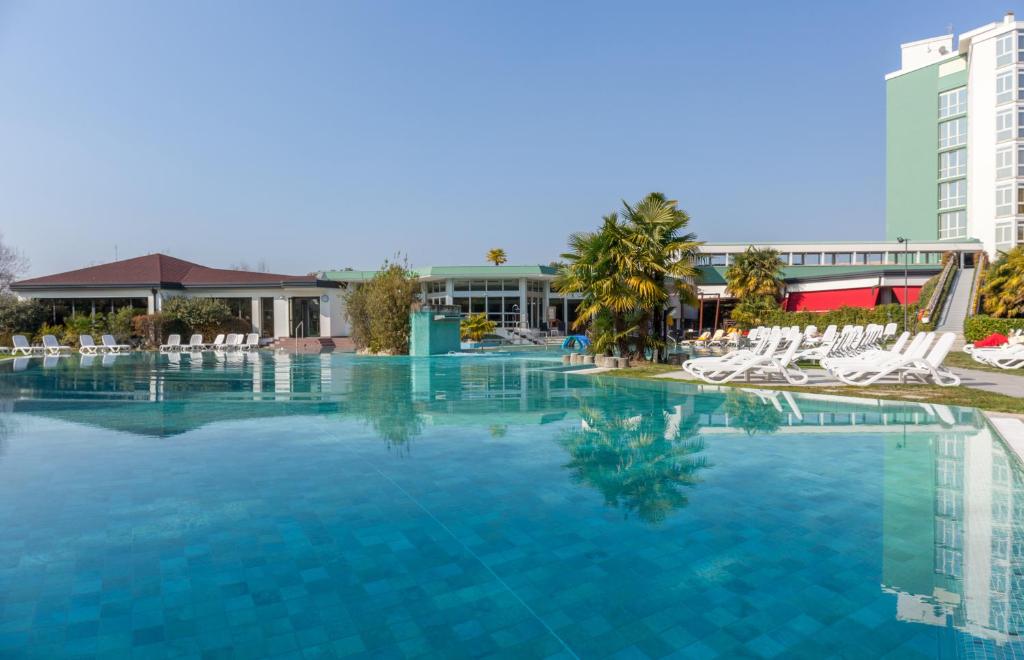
point(19, 316)
point(753, 311)
point(880, 314)
point(77, 325)
point(379, 310)
point(48, 329)
point(198, 314)
point(979, 327)
point(476, 326)
point(119, 324)
point(153, 329)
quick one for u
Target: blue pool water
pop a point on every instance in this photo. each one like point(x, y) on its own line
point(331, 505)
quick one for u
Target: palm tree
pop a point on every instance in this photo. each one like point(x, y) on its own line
point(626, 271)
point(756, 272)
point(496, 256)
point(1003, 290)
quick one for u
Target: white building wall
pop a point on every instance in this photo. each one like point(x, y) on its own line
point(981, 139)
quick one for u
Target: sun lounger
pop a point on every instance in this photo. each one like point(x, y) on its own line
point(173, 344)
point(195, 343)
point(111, 346)
point(252, 342)
point(54, 347)
point(218, 342)
point(87, 346)
point(928, 367)
point(22, 347)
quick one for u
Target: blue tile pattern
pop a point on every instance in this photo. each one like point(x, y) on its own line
point(335, 506)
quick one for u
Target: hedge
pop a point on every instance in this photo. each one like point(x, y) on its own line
point(977, 328)
point(880, 314)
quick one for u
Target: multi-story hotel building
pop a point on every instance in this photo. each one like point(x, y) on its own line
point(955, 138)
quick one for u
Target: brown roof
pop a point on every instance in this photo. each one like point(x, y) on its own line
point(160, 270)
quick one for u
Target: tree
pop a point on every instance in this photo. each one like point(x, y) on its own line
point(496, 256)
point(1003, 290)
point(626, 272)
point(379, 310)
point(476, 326)
point(754, 311)
point(756, 272)
point(12, 264)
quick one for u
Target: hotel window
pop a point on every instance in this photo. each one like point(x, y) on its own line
point(953, 225)
point(953, 133)
point(1004, 201)
point(1020, 84)
point(952, 163)
point(1020, 201)
point(1020, 233)
point(1004, 124)
point(841, 258)
point(1004, 235)
point(953, 102)
point(1005, 49)
point(1004, 162)
point(1004, 87)
point(952, 194)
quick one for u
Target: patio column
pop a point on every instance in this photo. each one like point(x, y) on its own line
point(282, 327)
point(544, 315)
point(257, 317)
point(449, 292)
point(524, 322)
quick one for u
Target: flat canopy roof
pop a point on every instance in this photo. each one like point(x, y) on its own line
point(457, 272)
point(161, 271)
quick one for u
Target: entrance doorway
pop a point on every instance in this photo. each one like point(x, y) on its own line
point(305, 317)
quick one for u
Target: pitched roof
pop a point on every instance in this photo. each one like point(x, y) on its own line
point(159, 270)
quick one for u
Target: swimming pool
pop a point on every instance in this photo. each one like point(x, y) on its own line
point(330, 505)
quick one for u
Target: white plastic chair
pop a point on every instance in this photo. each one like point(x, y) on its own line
point(54, 347)
point(173, 344)
point(87, 346)
point(111, 345)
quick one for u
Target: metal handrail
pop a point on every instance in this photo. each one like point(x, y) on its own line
point(940, 287)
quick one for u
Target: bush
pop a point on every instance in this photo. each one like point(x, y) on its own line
point(19, 317)
point(47, 329)
point(977, 328)
point(205, 315)
point(77, 325)
point(119, 324)
point(153, 329)
point(753, 310)
point(379, 310)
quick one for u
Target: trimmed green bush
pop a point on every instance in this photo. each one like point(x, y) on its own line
point(977, 328)
point(881, 314)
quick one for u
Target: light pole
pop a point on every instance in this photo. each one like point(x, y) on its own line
point(905, 242)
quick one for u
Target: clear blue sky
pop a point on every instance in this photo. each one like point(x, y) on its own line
point(319, 135)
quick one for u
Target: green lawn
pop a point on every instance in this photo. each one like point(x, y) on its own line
point(951, 396)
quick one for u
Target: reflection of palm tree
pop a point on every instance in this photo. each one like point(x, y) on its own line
point(747, 412)
point(642, 463)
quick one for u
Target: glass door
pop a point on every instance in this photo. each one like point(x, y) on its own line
point(306, 311)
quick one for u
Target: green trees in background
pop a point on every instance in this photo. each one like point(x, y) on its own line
point(379, 310)
point(626, 271)
point(496, 256)
point(1003, 291)
point(19, 317)
point(755, 278)
point(476, 326)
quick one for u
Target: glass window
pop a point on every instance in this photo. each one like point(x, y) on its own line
point(1004, 162)
point(953, 133)
point(953, 102)
point(797, 259)
point(1020, 84)
point(1004, 124)
point(812, 258)
point(1020, 233)
point(873, 257)
point(1020, 161)
point(1004, 201)
point(952, 163)
point(1004, 86)
point(953, 225)
point(952, 194)
point(1020, 200)
point(478, 285)
point(1004, 235)
point(1005, 49)
point(842, 258)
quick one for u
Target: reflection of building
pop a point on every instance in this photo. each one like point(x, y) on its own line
point(952, 504)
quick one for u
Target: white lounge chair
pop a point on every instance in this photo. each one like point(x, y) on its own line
point(218, 342)
point(233, 342)
point(87, 346)
point(111, 346)
point(924, 368)
point(252, 342)
point(173, 344)
point(1008, 356)
point(54, 347)
point(195, 343)
point(22, 347)
point(766, 365)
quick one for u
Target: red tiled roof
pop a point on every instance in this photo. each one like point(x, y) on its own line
point(158, 270)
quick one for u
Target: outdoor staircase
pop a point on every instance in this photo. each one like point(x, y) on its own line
point(955, 311)
point(312, 344)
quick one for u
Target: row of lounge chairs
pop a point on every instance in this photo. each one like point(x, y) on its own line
point(854, 355)
point(230, 342)
point(51, 346)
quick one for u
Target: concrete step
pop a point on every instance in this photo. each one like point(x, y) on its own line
point(313, 344)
